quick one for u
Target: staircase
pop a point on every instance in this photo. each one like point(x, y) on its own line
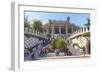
point(33, 47)
point(75, 52)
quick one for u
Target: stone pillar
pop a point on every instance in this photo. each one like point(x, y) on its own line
point(66, 29)
point(59, 30)
point(86, 29)
point(81, 30)
point(52, 31)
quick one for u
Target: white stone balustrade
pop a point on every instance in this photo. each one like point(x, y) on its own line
point(80, 31)
point(32, 32)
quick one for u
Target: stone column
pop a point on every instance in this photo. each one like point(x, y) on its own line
point(87, 29)
point(52, 31)
point(59, 30)
point(66, 29)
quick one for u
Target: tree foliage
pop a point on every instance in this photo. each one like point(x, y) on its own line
point(26, 22)
point(37, 25)
point(59, 43)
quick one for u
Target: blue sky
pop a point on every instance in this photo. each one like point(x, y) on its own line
point(76, 18)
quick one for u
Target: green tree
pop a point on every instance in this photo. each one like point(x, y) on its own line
point(59, 43)
point(26, 22)
point(37, 25)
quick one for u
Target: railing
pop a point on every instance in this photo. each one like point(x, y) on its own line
point(31, 32)
point(80, 31)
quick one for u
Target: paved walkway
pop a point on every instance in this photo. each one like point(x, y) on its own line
point(53, 54)
point(61, 56)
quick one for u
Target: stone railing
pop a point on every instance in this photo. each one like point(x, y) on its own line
point(80, 31)
point(35, 33)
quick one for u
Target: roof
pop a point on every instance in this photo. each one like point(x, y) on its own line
point(56, 23)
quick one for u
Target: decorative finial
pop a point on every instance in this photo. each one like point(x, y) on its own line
point(68, 18)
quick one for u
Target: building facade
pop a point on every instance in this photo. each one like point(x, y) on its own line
point(60, 27)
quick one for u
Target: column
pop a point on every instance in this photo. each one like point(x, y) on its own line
point(52, 31)
point(66, 29)
point(81, 30)
point(59, 30)
point(87, 29)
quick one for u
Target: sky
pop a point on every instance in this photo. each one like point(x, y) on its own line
point(77, 18)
